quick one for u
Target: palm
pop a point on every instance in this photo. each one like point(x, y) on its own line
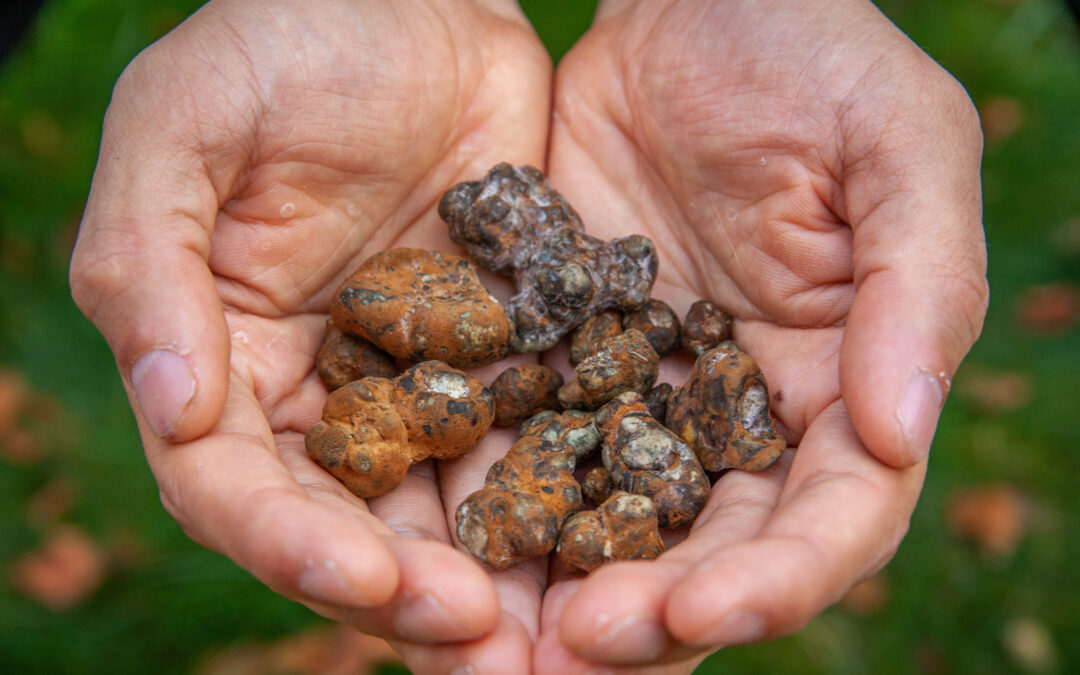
point(323, 152)
point(727, 153)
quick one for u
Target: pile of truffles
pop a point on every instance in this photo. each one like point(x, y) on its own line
point(609, 437)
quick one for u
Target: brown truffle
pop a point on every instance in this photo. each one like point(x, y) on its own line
point(514, 223)
point(573, 427)
point(421, 305)
point(656, 399)
point(658, 322)
point(344, 358)
point(522, 391)
point(587, 337)
point(705, 327)
point(722, 411)
point(645, 458)
point(626, 362)
point(373, 429)
point(622, 528)
point(526, 497)
point(596, 486)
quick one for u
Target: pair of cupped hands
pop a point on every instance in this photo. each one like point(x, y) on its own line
point(800, 163)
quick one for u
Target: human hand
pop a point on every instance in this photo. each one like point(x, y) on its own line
point(811, 170)
point(251, 158)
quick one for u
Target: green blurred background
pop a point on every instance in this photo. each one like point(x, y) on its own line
point(95, 577)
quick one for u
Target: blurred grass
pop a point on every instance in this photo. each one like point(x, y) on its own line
point(168, 604)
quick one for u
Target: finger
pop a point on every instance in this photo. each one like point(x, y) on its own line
point(139, 269)
point(230, 493)
point(920, 273)
point(507, 649)
point(442, 595)
point(616, 615)
point(840, 517)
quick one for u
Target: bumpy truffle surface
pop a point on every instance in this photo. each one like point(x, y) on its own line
point(645, 458)
point(658, 322)
point(586, 338)
point(622, 528)
point(527, 496)
point(657, 401)
point(626, 362)
point(373, 429)
point(596, 486)
point(705, 327)
point(522, 391)
point(514, 223)
point(421, 305)
point(344, 358)
point(722, 411)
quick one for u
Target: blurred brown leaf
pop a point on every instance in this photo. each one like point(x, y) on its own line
point(326, 650)
point(868, 597)
point(1052, 308)
point(64, 570)
point(42, 135)
point(13, 394)
point(1001, 116)
point(51, 502)
point(1066, 237)
point(991, 390)
point(1030, 644)
point(995, 517)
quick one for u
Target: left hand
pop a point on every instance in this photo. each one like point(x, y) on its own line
point(808, 168)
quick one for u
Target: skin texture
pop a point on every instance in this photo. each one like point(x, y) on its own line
point(261, 150)
point(806, 167)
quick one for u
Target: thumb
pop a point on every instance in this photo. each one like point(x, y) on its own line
point(920, 276)
point(139, 269)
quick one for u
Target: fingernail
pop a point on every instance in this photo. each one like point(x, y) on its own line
point(463, 670)
point(163, 386)
point(322, 581)
point(634, 638)
point(919, 410)
point(737, 628)
point(422, 618)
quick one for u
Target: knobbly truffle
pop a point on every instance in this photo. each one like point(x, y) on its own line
point(344, 358)
point(374, 428)
point(656, 399)
point(705, 327)
point(513, 222)
point(420, 305)
point(722, 412)
point(522, 391)
point(596, 485)
point(622, 528)
point(658, 322)
point(645, 458)
point(626, 362)
point(586, 338)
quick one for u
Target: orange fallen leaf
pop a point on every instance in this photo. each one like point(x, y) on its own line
point(993, 391)
point(1001, 116)
point(67, 568)
point(325, 650)
point(995, 517)
point(868, 597)
point(50, 503)
point(1052, 308)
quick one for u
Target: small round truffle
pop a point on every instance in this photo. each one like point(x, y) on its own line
point(705, 327)
point(597, 486)
point(522, 391)
point(626, 362)
point(587, 337)
point(344, 358)
point(658, 322)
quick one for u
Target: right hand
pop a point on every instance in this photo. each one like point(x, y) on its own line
point(251, 159)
